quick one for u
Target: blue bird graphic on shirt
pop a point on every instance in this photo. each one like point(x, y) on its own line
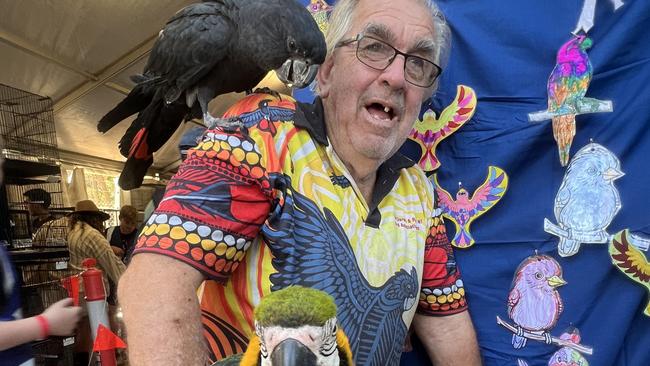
point(265, 111)
point(311, 249)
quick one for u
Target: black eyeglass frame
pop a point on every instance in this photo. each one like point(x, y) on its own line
point(406, 56)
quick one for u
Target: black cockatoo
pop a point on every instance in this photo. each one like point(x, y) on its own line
point(204, 50)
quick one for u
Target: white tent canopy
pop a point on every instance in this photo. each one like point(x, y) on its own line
point(81, 54)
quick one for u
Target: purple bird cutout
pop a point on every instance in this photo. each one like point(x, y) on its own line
point(534, 304)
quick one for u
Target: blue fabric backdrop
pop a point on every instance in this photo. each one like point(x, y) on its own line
point(506, 50)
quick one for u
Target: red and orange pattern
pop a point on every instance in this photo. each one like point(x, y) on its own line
point(442, 291)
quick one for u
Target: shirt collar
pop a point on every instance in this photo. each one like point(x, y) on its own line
point(310, 116)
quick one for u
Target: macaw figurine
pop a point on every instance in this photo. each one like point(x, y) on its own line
point(465, 209)
point(295, 326)
point(429, 131)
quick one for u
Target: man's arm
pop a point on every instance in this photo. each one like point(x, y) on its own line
point(161, 312)
point(449, 340)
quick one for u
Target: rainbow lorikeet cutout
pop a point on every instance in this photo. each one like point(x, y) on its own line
point(429, 131)
point(630, 260)
point(465, 209)
point(566, 90)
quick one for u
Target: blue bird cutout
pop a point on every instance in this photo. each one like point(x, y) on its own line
point(311, 249)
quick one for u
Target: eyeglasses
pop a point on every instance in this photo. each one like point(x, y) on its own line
point(379, 55)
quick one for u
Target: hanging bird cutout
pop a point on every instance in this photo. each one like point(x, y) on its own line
point(463, 210)
point(587, 200)
point(205, 50)
point(429, 131)
point(567, 356)
point(566, 90)
point(535, 305)
point(630, 260)
point(320, 10)
point(586, 20)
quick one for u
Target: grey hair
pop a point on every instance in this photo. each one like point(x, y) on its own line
point(340, 22)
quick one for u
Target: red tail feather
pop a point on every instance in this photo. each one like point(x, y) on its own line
point(139, 148)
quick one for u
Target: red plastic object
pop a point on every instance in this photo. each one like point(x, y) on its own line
point(93, 281)
point(72, 285)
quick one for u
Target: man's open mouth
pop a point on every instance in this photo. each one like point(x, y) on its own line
point(381, 111)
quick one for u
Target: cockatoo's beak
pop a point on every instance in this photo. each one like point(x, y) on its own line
point(556, 281)
point(297, 72)
point(291, 352)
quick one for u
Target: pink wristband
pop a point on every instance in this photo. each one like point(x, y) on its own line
point(45, 326)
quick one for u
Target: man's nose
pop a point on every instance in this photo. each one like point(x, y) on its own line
point(393, 75)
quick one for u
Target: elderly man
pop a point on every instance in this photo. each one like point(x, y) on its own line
point(323, 200)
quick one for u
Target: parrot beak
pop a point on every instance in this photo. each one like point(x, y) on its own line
point(612, 174)
point(556, 281)
point(297, 73)
point(291, 352)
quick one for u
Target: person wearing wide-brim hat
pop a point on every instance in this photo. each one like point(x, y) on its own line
point(89, 208)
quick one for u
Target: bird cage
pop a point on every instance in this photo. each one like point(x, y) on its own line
point(27, 126)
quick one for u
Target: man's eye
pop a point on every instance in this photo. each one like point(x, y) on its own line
point(375, 47)
point(417, 62)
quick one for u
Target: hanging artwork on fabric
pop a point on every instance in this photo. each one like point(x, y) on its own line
point(465, 209)
point(320, 10)
point(567, 356)
point(630, 260)
point(587, 200)
point(586, 20)
point(566, 90)
point(429, 131)
point(535, 305)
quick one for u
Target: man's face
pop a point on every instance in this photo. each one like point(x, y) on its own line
point(127, 226)
point(35, 208)
point(355, 95)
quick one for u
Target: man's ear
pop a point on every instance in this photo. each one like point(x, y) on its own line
point(324, 74)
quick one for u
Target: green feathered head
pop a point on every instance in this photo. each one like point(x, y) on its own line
point(294, 307)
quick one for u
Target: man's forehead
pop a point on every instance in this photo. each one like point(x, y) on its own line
point(424, 43)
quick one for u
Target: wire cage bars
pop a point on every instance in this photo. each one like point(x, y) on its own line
point(27, 126)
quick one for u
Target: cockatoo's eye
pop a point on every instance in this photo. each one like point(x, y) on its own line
point(539, 275)
point(291, 44)
point(592, 171)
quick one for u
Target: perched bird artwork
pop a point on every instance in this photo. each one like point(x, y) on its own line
point(534, 304)
point(567, 356)
point(320, 10)
point(295, 326)
point(429, 131)
point(587, 200)
point(630, 261)
point(465, 209)
point(371, 316)
point(205, 50)
point(566, 90)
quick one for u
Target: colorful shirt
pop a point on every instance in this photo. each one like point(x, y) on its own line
point(268, 203)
